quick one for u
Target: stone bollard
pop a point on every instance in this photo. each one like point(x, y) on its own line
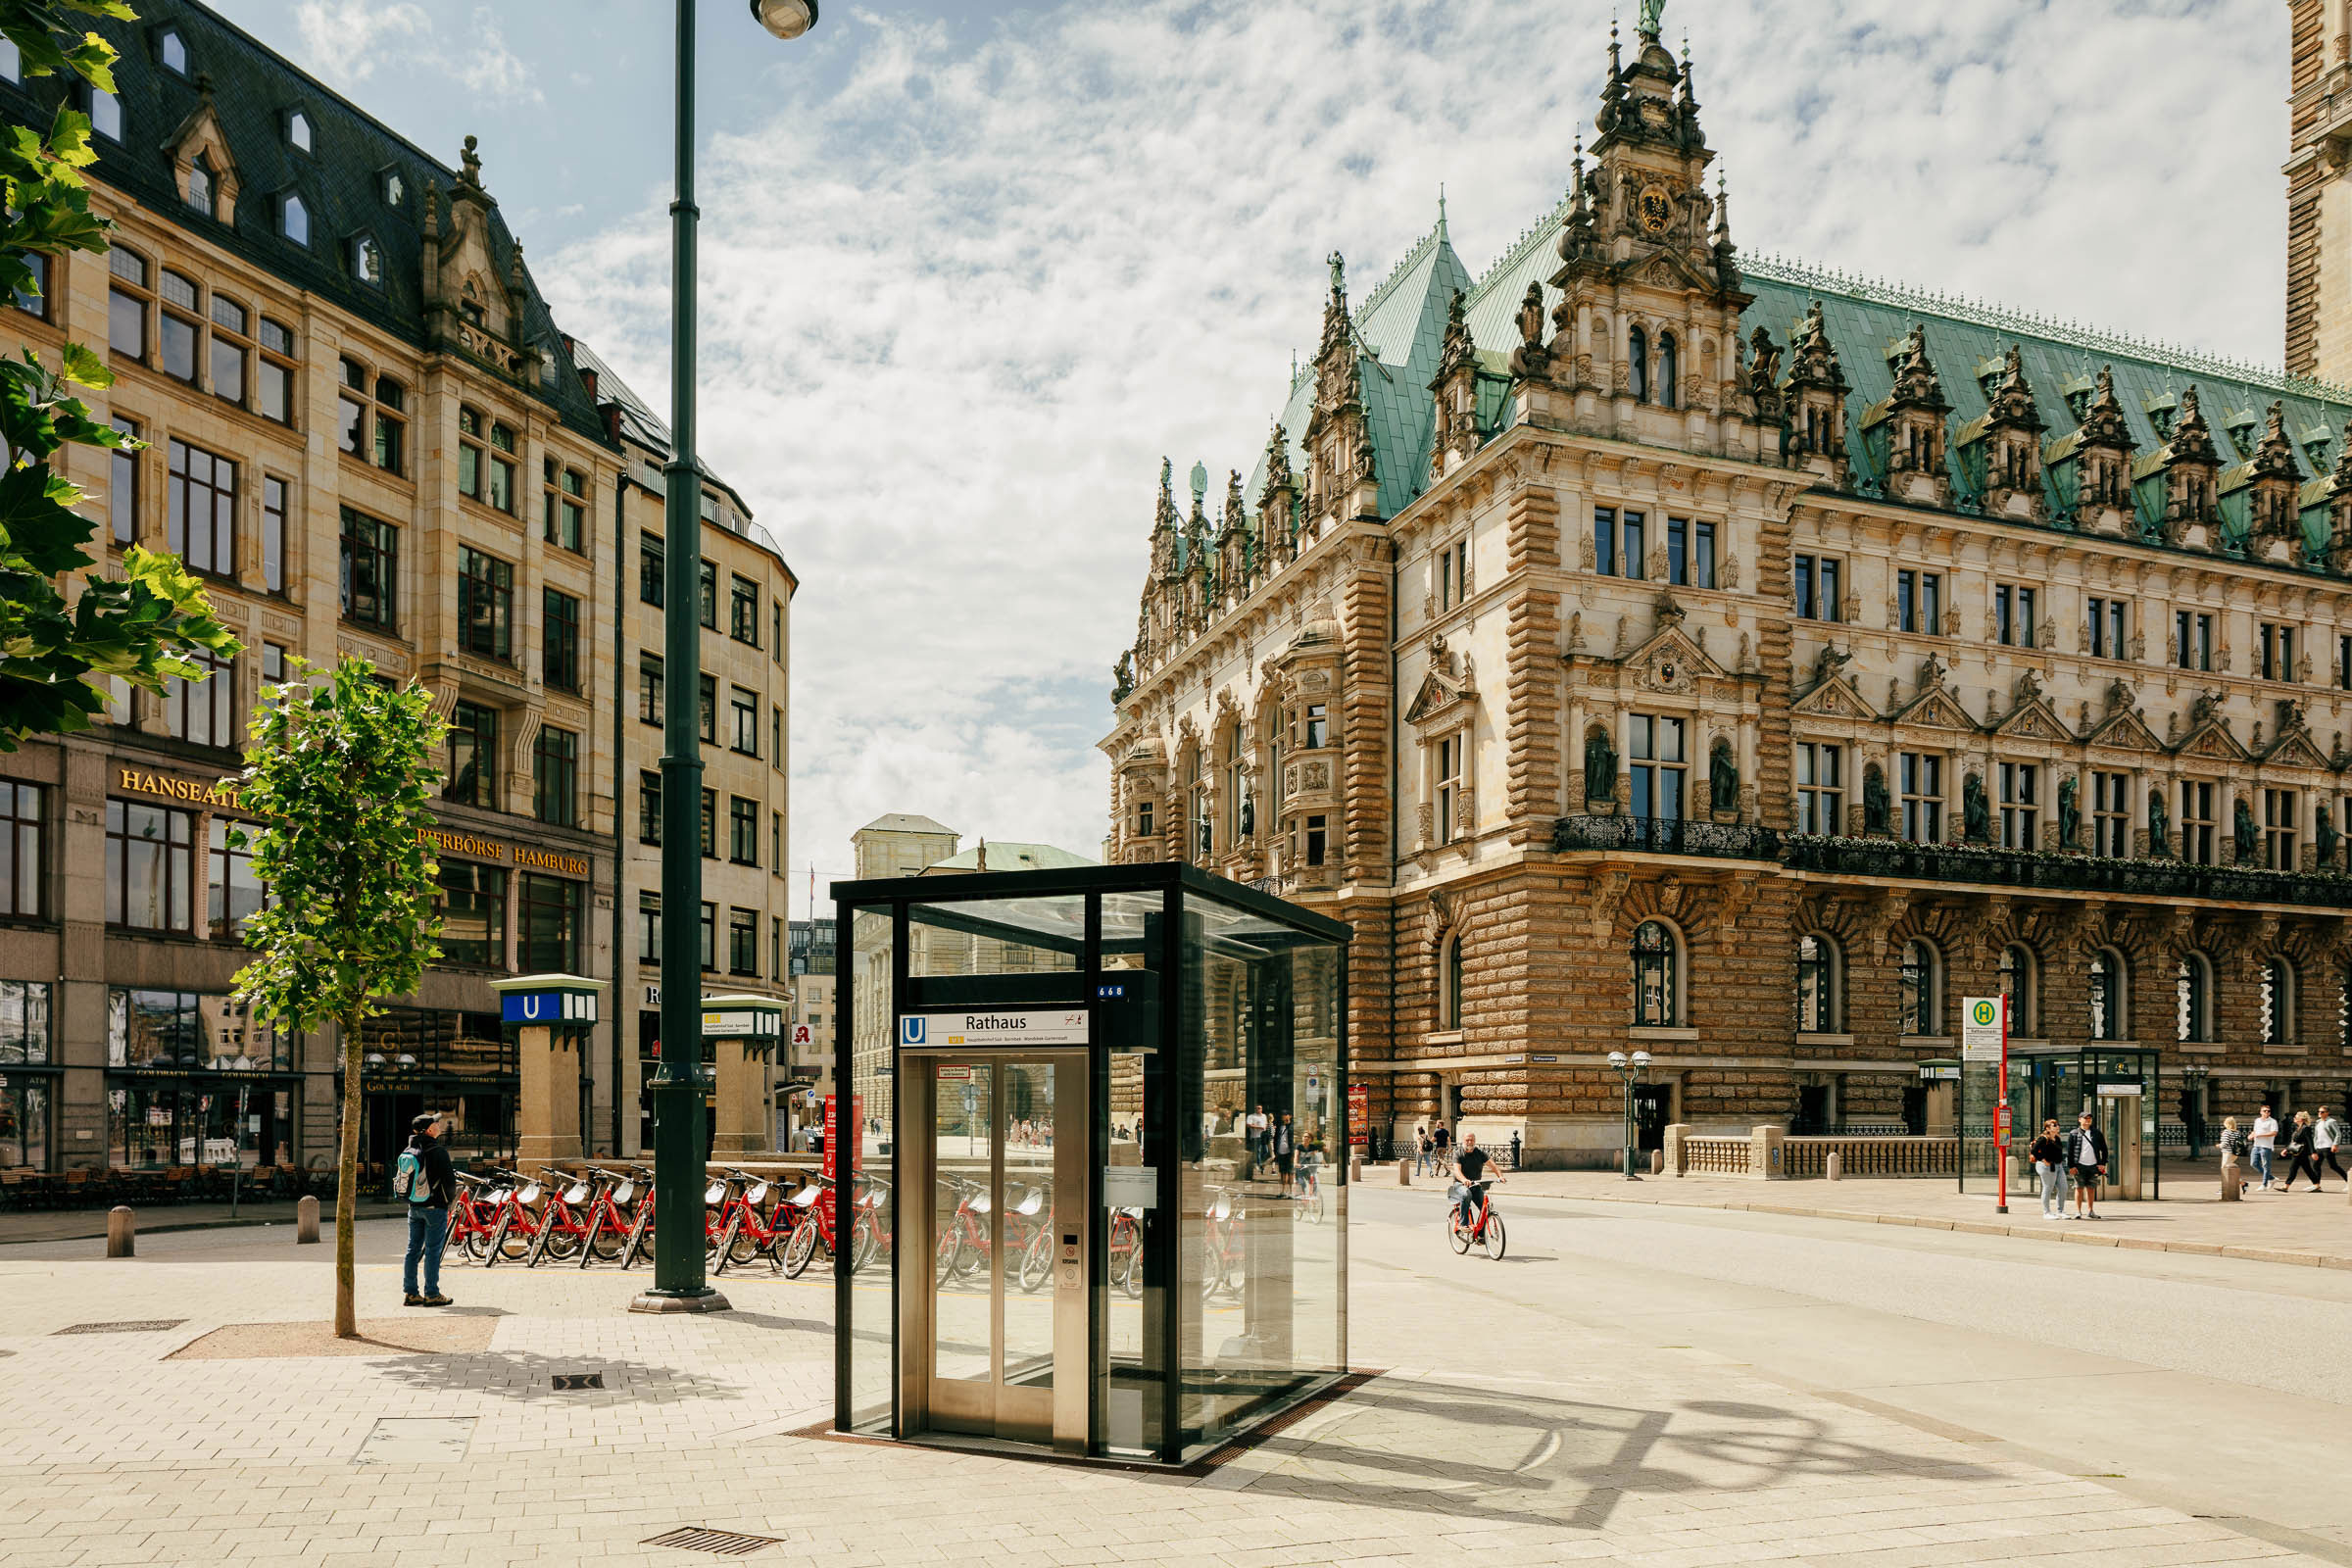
point(1833, 1166)
point(2234, 1177)
point(1673, 1151)
point(1657, 1163)
point(1355, 1168)
point(122, 1226)
point(1404, 1173)
point(305, 1219)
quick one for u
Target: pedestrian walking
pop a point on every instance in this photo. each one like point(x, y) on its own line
point(2298, 1153)
point(424, 1177)
point(2266, 1145)
point(2049, 1168)
point(2086, 1163)
point(1257, 1127)
point(1441, 1147)
point(1421, 1146)
point(2325, 1133)
point(2235, 1145)
point(1284, 1152)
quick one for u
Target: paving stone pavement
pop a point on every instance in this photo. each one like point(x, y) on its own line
point(1488, 1435)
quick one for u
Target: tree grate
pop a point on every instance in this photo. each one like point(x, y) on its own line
point(151, 1325)
point(720, 1543)
point(568, 1382)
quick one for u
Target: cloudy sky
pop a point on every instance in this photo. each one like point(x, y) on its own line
point(971, 267)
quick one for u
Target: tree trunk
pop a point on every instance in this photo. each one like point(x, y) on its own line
point(347, 1186)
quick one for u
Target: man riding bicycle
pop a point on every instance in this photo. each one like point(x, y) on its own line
point(1470, 1168)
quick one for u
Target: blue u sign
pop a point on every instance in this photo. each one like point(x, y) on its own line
point(910, 1030)
point(547, 1007)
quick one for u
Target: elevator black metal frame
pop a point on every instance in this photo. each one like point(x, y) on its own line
point(1083, 986)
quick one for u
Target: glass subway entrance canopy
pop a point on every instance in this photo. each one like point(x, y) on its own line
point(1095, 1129)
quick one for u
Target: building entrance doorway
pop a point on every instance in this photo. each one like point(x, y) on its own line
point(1653, 1106)
point(995, 1196)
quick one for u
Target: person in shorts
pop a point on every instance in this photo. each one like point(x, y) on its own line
point(2086, 1163)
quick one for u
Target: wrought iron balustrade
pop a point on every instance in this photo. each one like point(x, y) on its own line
point(1666, 835)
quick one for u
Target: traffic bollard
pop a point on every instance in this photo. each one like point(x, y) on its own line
point(2234, 1177)
point(1833, 1167)
point(305, 1219)
point(1657, 1163)
point(1404, 1173)
point(121, 1225)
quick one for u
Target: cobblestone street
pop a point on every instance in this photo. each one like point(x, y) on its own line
point(1509, 1419)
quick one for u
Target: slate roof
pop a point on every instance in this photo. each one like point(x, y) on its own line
point(341, 179)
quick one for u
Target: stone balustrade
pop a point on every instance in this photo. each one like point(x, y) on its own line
point(1767, 1154)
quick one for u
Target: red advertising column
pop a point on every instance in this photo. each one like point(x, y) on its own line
point(832, 1134)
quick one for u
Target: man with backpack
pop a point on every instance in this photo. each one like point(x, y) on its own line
point(425, 1178)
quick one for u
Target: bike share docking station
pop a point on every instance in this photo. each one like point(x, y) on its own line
point(1094, 1120)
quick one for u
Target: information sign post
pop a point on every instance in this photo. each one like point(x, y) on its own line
point(1985, 1038)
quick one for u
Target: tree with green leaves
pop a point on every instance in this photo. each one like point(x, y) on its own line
point(56, 653)
point(342, 774)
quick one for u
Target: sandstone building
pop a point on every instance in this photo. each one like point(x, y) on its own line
point(367, 434)
point(1647, 647)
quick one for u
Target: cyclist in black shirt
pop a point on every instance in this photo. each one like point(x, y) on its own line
point(1470, 1168)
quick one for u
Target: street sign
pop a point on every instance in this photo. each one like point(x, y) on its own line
point(548, 1007)
point(1980, 1029)
point(996, 1026)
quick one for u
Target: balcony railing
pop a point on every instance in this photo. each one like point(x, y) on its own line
point(1665, 835)
point(1954, 862)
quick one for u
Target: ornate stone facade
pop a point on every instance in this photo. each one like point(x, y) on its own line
point(1645, 648)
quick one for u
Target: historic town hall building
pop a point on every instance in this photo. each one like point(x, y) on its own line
point(1648, 649)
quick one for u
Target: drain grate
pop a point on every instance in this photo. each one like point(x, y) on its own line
point(718, 1542)
point(567, 1381)
point(151, 1325)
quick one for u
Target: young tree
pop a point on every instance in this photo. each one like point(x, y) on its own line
point(55, 656)
point(340, 772)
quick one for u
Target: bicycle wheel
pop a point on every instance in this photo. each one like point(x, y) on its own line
point(1494, 1236)
point(1037, 1259)
point(450, 1246)
point(722, 1253)
point(605, 1243)
point(634, 1248)
point(563, 1242)
point(1455, 1234)
point(800, 1247)
point(868, 1243)
point(498, 1241)
point(538, 1247)
point(1314, 1206)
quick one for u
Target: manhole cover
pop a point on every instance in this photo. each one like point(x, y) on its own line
point(566, 1382)
point(151, 1325)
point(415, 1439)
point(720, 1543)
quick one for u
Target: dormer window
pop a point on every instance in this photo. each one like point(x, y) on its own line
point(1988, 375)
point(294, 218)
point(470, 308)
point(367, 261)
point(172, 51)
point(2315, 442)
point(2242, 431)
point(105, 111)
point(298, 130)
point(200, 186)
point(2161, 411)
point(396, 189)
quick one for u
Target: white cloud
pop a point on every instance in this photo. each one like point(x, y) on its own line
point(486, 64)
point(345, 40)
point(958, 303)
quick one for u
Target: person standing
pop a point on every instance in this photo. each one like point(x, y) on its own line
point(2049, 1168)
point(1285, 1151)
point(2298, 1153)
point(2266, 1145)
point(431, 1187)
point(2325, 1133)
point(2234, 1146)
point(2086, 1163)
point(1256, 1128)
point(1421, 1149)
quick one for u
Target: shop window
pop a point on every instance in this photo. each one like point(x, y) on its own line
point(1816, 985)
point(1655, 998)
point(555, 776)
point(148, 866)
point(473, 914)
point(188, 1030)
point(24, 827)
point(550, 911)
point(24, 1027)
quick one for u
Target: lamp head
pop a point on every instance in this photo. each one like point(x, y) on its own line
point(1640, 1059)
point(786, 18)
point(1617, 1060)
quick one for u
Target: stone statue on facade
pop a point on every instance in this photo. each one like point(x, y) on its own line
point(2325, 824)
point(1600, 765)
point(1976, 812)
point(2242, 830)
point(2160, 825)
point(1723, 776)
point(1531, 359)
point(1201, 830)
point(1877, 811)
point(2070, 813)
point(1249, 815)
point(1122, 678)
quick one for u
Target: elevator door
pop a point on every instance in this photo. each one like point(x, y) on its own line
point(994, 1292)
point(2119, 1119)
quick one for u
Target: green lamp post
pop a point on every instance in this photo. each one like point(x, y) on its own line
point(677, 1087)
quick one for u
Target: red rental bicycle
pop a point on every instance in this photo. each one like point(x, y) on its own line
point(609, 1224)
point(745, 1230)
point(472, 1215)
point(1486, 1229)
point(517, 1224)
point(814, 1225)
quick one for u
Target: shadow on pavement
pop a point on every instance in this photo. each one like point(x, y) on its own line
point(529, 1377)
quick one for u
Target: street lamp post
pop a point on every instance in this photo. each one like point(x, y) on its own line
point(1630, 1070)
point(2194, 1122)
point(677, 1087)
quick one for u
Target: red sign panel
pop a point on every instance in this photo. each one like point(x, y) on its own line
point(833, 1133)
point(1360, 1113)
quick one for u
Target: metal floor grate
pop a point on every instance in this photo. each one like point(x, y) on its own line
point(720, 1543)
point(152, 1325)
point(568, 1382)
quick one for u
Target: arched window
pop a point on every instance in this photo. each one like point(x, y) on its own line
point(1816, 985)
point(1655, 979)
point(1449, 1000)
point(1921, 982)
point(1636, 355)
point(2021, 984)
point(2277, 1002)
point(2192, 996)
point(2110, 1001)
point(1669, 369)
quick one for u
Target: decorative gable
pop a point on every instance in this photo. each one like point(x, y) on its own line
point(2033, 721)
point(1936, 709)
point(1835, 697)
point(1670, 660)
point(2126, 731)
point(1440, 700)
point(2295, 749)
point(2212, 740)
point(199, 136)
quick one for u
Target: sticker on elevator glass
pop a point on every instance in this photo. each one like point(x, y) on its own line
point(1980, 1029)
point(1130, 1186)
point(996, 1026)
